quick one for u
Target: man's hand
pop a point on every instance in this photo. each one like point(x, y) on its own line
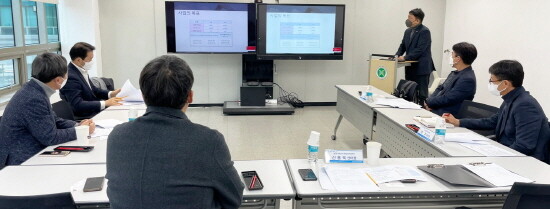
point(426, 107)
point(449, 118)
point(401, 59)
point(115, 101)
point(90, 123)
point(115, 92)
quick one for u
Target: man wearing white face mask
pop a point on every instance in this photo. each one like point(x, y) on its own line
point(460, 84)
point(85, 99)
point(29, 123)
point(520, 122)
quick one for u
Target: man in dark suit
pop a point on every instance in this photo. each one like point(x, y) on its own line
point(162, 159)
point(29, 124)
point(85, 99)
point(460, 85)
point(520, 122)
point(417, 42)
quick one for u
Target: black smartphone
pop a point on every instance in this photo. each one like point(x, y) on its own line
point(307, 175)
point(94, 184)
point(252, 180)
point(74, 148)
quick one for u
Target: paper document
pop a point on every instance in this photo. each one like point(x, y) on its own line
point(496, 174)
point(488, 150)
point(466, 137)
point(384, 174)
point(108, 123)
point(127, 107)
point(350, 180)
point(430, 121)
point(131, 93)
point(99, 132)
point(398, 103)
point(324, 180)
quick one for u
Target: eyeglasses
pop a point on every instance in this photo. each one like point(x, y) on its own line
point(490, 81)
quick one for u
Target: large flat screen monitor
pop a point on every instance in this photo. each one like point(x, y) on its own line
point(210, 27)
point(301, 32)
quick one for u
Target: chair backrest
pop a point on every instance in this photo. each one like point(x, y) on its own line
point(103, 83)
point(407, 90)
point(49, 201)
point(63, 110)
point(528, 196)
point(471, 109)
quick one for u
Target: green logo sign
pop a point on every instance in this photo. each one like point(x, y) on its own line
point(381, 73)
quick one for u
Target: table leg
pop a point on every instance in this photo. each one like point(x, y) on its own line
point(333, 137)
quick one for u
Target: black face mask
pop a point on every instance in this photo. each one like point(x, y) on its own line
point(408, 23)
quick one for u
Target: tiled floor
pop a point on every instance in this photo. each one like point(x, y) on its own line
point(278, 136)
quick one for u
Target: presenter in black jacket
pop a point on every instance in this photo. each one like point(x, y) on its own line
point(417, 43)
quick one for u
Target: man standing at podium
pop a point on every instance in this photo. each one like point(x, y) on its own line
point(417, 43)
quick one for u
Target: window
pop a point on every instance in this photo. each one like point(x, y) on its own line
point(51, 22)
point(6, 24)
point(30, 22)
point(30, 58)
point(8, 73)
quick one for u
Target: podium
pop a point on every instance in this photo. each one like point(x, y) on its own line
point(383, 71)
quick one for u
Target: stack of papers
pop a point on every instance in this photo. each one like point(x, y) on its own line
point(429, 121)
point(108, 123)
point(488, 150)
point(496, 174)
point(466, 137)
point(131, 93)
point(398, 103)
point(385, 174)
point(350, 180)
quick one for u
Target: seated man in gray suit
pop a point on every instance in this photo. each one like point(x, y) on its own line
point(162, 159)
point(29, 123)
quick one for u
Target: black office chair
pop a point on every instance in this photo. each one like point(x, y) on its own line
point(49, 201)
point(470, 109)
point(528, 196)
point(63, 110)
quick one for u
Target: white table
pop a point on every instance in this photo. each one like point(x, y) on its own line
point(50, 179)
point(432, 194)
point(359, 113)
point(400, 142)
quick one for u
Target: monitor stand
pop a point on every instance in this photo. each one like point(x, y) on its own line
point(256, 87)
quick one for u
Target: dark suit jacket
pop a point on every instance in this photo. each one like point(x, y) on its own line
point(163, 160)
point(419, 48)
point(83, 100)
point(29, 125)
point(520, 124)
point(448, 97)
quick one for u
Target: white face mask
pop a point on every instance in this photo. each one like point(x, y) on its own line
point(493, 89)
point(451, 61)
point(88, 65)
point(64, 82)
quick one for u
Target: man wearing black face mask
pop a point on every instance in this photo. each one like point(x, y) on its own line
point(417, 43)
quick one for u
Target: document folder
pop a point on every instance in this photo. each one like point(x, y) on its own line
point(455, 174)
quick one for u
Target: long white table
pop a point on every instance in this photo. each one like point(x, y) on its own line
point(400, 142)
point(50, 179)
point(432, 194)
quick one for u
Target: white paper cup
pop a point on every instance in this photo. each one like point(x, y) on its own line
point(82, 133)
point(373, 152)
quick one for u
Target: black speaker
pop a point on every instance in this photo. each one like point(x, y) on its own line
point(253, 96)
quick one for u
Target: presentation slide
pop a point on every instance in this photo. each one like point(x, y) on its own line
point(211, 27)
point(300, 30)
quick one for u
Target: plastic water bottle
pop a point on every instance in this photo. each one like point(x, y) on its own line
point(369, 96)
point(440, 130)
point(313, 146)
point(132, 113)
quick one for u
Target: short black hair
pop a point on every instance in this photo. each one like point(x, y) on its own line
point(466, 51)
point(166, 82)
point(80, 50)
point(418, 13)
point(508, 70)
point(48, 66)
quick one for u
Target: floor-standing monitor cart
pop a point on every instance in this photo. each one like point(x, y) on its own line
point(257, 86)
point(383, 72)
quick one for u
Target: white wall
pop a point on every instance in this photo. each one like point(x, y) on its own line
point(79, 22)
point(503, 29)
point(133, 33)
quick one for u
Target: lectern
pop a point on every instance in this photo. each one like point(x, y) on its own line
point(383, 71)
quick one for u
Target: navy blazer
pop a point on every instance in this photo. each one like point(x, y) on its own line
point(83, 100)
point(163, 160)
point(29, 125)
point(419, 48)
point(448, 97)
point(519, 124)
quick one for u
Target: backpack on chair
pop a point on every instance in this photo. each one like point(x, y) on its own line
point(407, 90)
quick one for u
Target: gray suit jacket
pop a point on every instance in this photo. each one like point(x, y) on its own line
point(29, 125)
point(163, 160)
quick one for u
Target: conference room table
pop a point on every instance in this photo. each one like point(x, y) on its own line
point(433, 193)
point(51, 179)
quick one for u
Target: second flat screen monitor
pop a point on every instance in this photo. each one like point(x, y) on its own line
point(300, 31)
